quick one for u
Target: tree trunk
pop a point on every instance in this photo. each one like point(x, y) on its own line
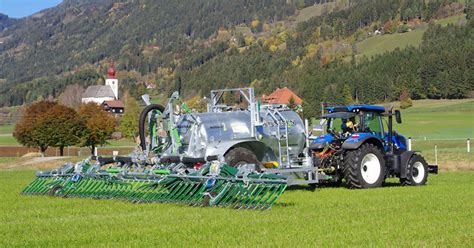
point(43, 150)
point(92, 150)
point(61, 151)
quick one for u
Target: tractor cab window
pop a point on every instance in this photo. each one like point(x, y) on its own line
point(373, 124)
point(344, 126)
point(335, 125)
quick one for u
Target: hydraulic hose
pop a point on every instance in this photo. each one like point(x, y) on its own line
point(142, 120)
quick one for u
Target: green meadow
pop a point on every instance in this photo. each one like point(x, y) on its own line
point(438, 214)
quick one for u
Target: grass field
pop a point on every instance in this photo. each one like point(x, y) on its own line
point(438, 119)
point(439, 214)
point(385, 43)
point(6, 129)
point(444, 123)
point(313, 11)
point(380, 44)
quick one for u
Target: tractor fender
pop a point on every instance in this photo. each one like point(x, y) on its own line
point(404, 160)
point(354, 143)
point(260, 149)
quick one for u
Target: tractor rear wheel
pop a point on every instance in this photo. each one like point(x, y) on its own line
point(241, 156)
point(364, 167)
point(417, 173)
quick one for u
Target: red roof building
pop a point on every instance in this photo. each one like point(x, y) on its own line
point(114, 106)
point(282, 96)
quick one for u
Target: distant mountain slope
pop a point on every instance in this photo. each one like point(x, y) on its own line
point(78, 32)
point(6, 22)
point(204, 44)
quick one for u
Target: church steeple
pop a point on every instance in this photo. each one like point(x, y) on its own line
point(111, 80)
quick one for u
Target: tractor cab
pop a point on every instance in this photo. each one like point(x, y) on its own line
point(349, 124)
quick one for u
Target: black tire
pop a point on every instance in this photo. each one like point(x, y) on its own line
point(143, 119)
point(417, 172)
point(357, 174)
point(239, 156)
point(55, 189)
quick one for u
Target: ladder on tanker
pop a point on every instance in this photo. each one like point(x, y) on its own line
point(282, 137)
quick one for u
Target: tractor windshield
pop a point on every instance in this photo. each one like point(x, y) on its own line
point(342, 125)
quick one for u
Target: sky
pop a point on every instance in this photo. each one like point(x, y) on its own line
point(22, 8)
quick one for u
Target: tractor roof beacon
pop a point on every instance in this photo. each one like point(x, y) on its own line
point(356, 147)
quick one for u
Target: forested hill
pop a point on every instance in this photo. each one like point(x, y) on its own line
point(77, 32)
point(324, 51)
point(5, 21)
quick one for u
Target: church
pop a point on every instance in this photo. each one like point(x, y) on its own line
point(105, 95)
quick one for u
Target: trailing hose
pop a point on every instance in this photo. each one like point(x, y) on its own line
point(142, 120)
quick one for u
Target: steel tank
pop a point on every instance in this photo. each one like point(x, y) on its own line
point(211, 133)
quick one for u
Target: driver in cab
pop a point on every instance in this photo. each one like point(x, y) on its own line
point(349, 126)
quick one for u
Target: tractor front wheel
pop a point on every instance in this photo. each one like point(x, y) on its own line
point(364, 167)
point(417, 172)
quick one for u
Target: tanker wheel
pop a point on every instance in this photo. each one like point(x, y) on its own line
point(417, 172)
point(240, 156)
point(364, 167)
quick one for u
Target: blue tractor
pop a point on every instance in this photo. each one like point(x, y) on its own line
point(358, 147)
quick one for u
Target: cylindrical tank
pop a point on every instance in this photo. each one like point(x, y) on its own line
point(235, 127)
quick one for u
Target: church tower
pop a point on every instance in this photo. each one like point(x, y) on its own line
point(112, 81)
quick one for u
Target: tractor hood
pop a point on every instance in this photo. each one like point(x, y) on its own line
point(320, 141)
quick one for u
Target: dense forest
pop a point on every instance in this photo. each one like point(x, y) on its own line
point(216, 43)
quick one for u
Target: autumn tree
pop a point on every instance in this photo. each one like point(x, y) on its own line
point(28, 131)
point(197, 104)
point(405, 100)
point(129, 122)
point(98, 125)
point(46, 124)
point(61, 126)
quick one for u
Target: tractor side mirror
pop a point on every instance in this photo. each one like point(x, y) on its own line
point(398, 116)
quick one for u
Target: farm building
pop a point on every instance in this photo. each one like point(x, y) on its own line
point(282, 96)
point(113, 106)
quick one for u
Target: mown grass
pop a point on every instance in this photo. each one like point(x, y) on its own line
point(438, 119)
point(8, 160)
point(439, 214)
point(313, 11)
point(380, 44)
point(6, 129)
point(8, 140)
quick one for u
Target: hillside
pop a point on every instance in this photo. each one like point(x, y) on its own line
point(379, 44)
point(316, 49)
point(78, 32)
point(6, 22)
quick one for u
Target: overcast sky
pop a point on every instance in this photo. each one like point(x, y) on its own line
point(22, 8)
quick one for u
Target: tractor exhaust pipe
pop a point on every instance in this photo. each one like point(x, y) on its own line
point(390, 130)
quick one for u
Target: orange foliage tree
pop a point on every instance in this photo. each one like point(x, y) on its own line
point(98, 125)
point(46, 124)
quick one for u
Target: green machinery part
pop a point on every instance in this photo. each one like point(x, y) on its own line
point(255, 191)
